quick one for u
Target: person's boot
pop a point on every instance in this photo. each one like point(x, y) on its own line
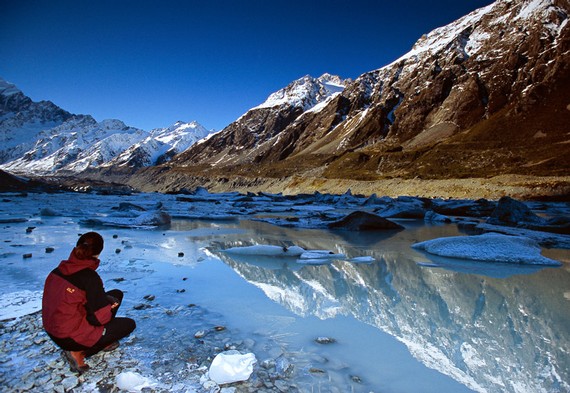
point(76, 360)
point(111, 347)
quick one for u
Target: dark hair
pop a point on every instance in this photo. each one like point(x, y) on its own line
point(88, 245)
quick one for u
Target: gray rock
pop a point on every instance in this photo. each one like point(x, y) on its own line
point(513, 213)
point(283, 367)
point(434, 217)
point(363, 221)
point(70, 382)
point(325, 340)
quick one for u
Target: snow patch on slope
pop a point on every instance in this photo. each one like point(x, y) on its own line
point(305, 92)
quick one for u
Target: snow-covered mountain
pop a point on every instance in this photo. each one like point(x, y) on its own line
point(161, 145)
point(41, 138)
point(76, 145)
point(248, 138)
point(306, 92)
point(484, 96)
point(22, 120)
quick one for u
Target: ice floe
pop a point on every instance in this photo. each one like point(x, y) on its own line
point(306, 257)
point(364, 259)
point(490, 247)
point(231, 366)
point(267, 250)
point(320, 254)
point(134, 382)
point(145, 219)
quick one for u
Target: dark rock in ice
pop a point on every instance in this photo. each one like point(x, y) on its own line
point(513, 213)
point(49, 250)
point(126, 207)
point(325, 340)
point(150, 298)
point(464, 207)
point(119, 279)
point(374, 200)
point(180, 254)
point(404, 207)
point(26, 256)
point(283, 367)
point(30, 229)
point(12, 220)
point(434, 217)
point(47, 212)
point(142, 306)
point(363, 221)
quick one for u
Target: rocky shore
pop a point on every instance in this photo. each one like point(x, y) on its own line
point(516, 186)
point(30, 362)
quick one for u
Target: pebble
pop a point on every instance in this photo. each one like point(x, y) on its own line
point(325, 340)
point(315, 370)
point(70, 382)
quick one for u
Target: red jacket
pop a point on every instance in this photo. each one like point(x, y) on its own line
point(74, 303)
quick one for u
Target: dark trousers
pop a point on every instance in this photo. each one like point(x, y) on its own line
point(115, 329)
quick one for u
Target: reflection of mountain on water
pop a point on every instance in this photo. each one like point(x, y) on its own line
point(490, 334)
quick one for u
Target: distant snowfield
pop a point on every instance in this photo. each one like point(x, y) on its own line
point(82, 143)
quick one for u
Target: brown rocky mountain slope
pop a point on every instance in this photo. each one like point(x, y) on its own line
point(485, 96)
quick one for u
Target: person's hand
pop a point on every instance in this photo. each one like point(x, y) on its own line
point(114, 305)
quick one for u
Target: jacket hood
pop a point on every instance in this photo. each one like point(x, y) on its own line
point(73, 264)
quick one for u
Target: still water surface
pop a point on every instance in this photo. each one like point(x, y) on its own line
point(401, 326)
point(398, 325)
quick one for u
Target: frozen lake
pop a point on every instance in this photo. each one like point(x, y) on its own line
point(399, 324)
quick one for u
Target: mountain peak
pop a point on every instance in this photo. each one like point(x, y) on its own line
point(305, 92)
point(8, 89)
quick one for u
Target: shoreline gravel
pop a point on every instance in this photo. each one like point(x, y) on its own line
point(31, 362)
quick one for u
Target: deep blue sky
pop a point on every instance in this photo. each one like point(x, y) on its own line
point(151, 63)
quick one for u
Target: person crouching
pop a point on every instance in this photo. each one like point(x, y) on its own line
point(77, 313)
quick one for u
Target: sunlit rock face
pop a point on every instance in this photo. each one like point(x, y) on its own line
point(488, 333)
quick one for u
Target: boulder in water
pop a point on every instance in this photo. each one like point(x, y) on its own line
point(363, 221)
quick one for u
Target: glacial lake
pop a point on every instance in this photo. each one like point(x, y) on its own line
point(398, 324)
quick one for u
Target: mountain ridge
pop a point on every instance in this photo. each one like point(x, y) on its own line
point(484, 97)
point(41, 139)
point(481, 97)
